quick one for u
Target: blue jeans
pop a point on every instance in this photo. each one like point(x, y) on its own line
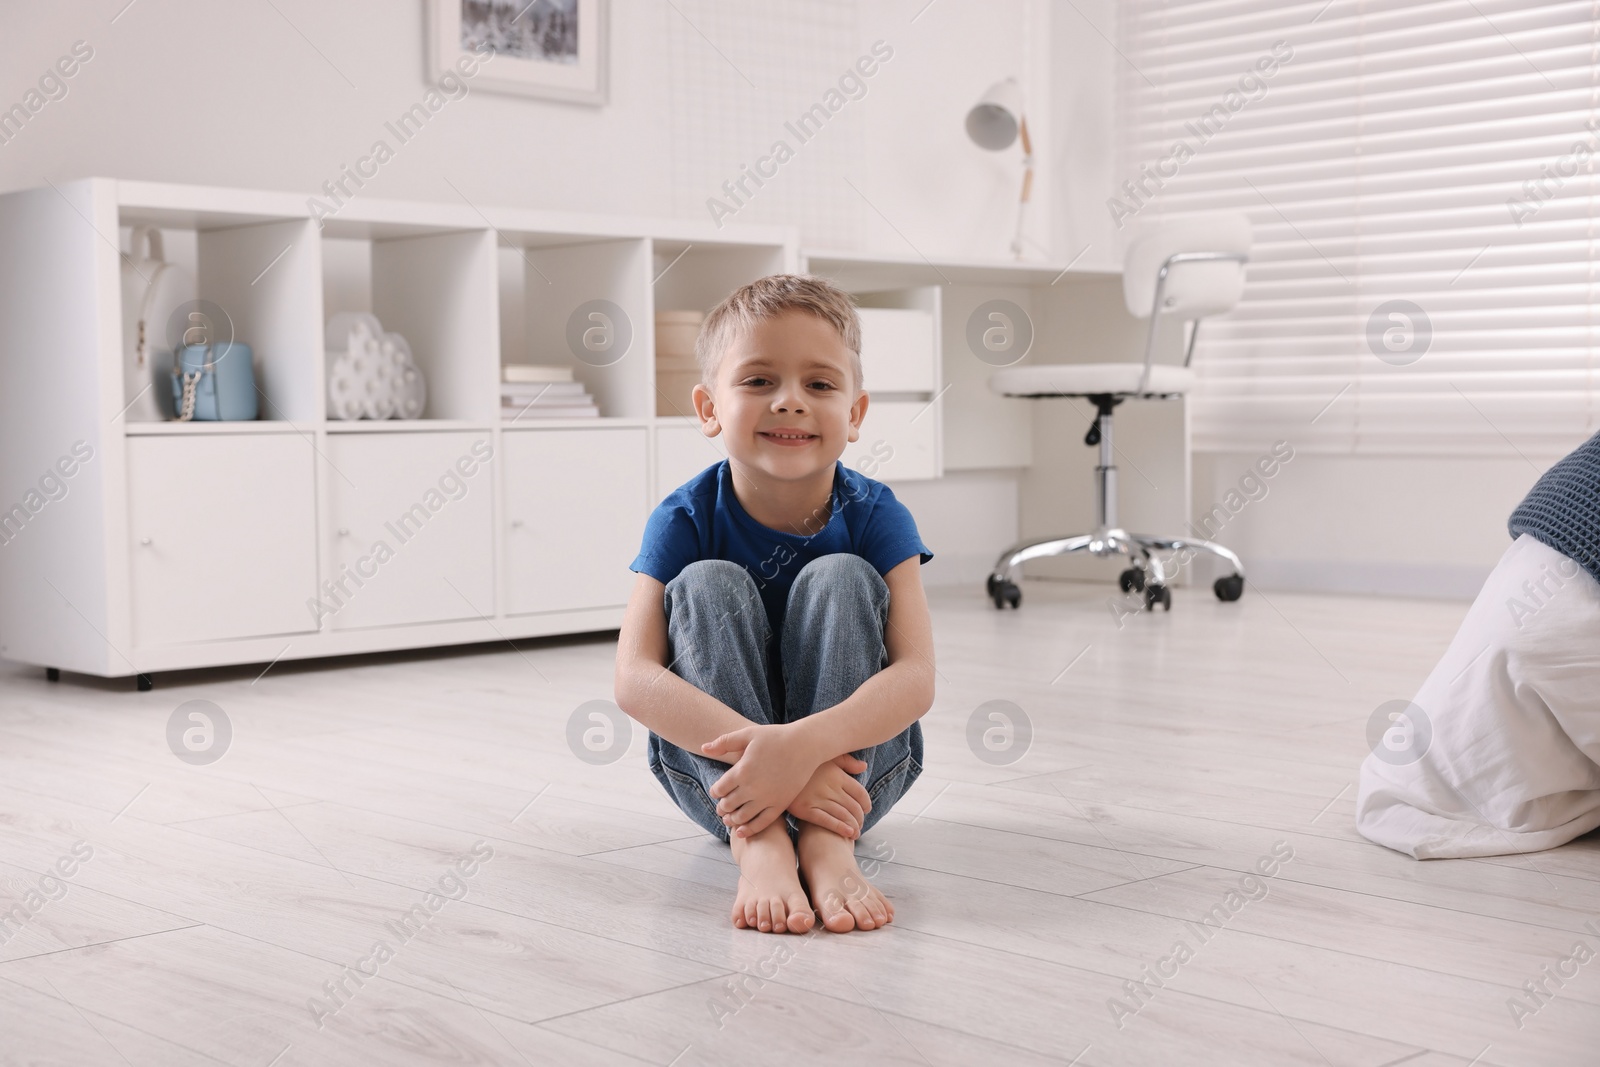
point(720, 642)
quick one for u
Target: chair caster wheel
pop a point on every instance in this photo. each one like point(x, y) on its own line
point(1131, 579)
point(52, 674)
point(1229, 588)
point(146, 683)
point(1157, 594)
point(1004, 592)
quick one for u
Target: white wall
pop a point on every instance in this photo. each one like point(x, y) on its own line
point(1405, 526)
point(1082, 138)
point(238, 94)
point(965, 519)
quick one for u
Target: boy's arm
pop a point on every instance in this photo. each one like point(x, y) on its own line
point(650, 693)
point(881, 708)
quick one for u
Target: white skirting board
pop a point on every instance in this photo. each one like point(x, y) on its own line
point(1427, 581)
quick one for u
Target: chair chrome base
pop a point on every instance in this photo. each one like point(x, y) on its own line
point(1153, 572)
point(1147, 573)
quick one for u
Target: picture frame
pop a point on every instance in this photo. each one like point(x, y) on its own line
point(552, 49)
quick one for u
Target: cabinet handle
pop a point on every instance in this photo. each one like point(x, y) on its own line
point(516, 524)
point(144, 540)
point(344, 531)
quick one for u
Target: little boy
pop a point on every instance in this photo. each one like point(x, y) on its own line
point(777, 644)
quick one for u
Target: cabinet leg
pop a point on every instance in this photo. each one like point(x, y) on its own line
point(146, 683)
point(52, 674)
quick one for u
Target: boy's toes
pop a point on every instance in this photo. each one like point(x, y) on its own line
point(797, 914)
point(862, 916)
point(836, 917)
point(878, 909)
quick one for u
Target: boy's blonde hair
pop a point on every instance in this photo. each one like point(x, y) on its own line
point(766, 297)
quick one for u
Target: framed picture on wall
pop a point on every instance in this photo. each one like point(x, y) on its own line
point(554, 49)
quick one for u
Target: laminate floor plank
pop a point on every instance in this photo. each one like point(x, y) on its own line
point(1340, 859)
point(1495, 950)
point(57, 915)
point(778, 1023)
point(43, 1028)
point(236, 1000)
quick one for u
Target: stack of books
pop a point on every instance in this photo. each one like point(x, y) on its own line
point(677, 373)
point(531, 391)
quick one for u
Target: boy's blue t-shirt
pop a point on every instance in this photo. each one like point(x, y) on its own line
point(703, 519)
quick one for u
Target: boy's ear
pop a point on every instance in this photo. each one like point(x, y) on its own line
point(705, 409)
point(858, 411)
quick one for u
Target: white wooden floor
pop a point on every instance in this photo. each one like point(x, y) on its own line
point(1169, 754)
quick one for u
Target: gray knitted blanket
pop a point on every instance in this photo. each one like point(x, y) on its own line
point(1563, 508)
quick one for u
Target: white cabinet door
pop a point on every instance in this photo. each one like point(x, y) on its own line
point(897, 350)
point(682, 451)
point(898, 441)
point(224, 540)
point(411, 526)
point(575, 511)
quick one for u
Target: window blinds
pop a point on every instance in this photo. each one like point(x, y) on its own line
point(1421, 180)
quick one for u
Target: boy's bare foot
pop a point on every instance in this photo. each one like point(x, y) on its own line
point(840, 892)
point(770, 898)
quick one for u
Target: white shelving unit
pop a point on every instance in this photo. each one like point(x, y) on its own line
point(179, 545)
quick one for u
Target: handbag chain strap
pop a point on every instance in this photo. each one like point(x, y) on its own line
point(191, 383)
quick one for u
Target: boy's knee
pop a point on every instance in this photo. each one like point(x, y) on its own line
point(718, 578)
point(710, 569)
point(836, 576)
point(839, 570)
point(714, 584)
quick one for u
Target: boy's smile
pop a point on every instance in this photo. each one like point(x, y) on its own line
point(786, 402)
point(788, 436)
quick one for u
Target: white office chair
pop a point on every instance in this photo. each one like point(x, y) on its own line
point(1186, 268)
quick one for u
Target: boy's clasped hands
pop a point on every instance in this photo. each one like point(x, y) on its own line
point(775, 770)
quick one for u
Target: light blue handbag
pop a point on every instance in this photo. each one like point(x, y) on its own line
point(214, 383)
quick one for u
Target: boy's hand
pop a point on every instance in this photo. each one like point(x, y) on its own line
point(833, 799)
point(769, 771)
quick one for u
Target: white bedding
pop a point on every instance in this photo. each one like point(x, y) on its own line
point(1513, 764)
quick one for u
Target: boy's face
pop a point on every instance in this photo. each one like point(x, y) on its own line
point(789, 373)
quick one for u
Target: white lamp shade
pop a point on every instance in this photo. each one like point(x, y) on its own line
point(993, 122)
